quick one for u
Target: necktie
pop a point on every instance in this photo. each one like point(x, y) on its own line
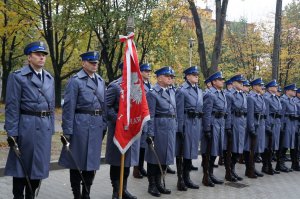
point(167, 90)
point(39, 76)
point(95, 81)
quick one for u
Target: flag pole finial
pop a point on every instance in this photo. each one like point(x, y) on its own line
point(130, 24)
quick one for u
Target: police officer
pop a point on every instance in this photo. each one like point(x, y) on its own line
point(288, 126)
point(83, 123)
point(139, 171)
point(29, 119)
point(162, 129)
point(246, 87)
point(297, 143)
point(228, 85)
point(113, 155)
point(273, 113)
point(235, 126)
point(189, 103)
point(255, 136)
point(214, 106)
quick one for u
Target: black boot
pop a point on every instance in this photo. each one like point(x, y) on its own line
point(34, 185)
point(265, 161)
point(18, 187)
point(180, 183)
point(160, 187)
point(75, 181)
point(126, 194)
point(249, 167)
point(115, 185)
point(295, 161)
point(227, 161)
point(141, 162)
point(88, 177)
point(186, 174)
point(152, 189)
point(206, 181)
point(233, 162)
point(280, 166)
point(211, 172)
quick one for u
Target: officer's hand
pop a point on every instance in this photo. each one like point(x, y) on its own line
point(252, 134)
point(268, 132)
point(180, 135)
point(207, 134)
point(12, 141)
point(150, 139)
point(228, 132)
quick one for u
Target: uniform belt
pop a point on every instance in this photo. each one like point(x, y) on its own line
point(275, 115)
point(160, 115)
point(94, 112)
point(292, 117)
point(239, 113)
point(36, 113)
point(194, 114)
point(260, 116)
point(219, 114)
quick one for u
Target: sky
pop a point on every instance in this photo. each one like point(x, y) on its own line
point(255, 11)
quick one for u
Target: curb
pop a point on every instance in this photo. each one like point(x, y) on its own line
point(53, 166)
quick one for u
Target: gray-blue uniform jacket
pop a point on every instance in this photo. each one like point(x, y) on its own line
point(288, 122)
point(236, 119)
point(113, 155)
point(256, 110)
point(162, 125)
point(214, 107)
point(297, 101)
point(143, 144)
point(273, 113)
point(189, 102)
point(82, 94)
point(25, 91)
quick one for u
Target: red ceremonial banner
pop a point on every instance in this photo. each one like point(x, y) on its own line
point(133, 107)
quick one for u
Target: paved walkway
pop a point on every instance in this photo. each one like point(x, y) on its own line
point(280, 186)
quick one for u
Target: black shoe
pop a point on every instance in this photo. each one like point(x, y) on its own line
point(236, 176)
point(143, 172)
point(181, 185)
point(230, 178)
point(281, 167)
point(160, 187)
point(259, 174)
point(188, 182)
point(169, 170)
point(193, 168)
point(215, 180)
point(275, 171)
point(127, 195)
point(152, 189)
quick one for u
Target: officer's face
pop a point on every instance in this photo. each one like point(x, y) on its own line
point(291, 93)
point(146, 74)
point(272, 89)
point(192, 78)
point(164, 80)
point(218, 83)
point(298, 95)
point(90, 67)
point(246, 89)
point(37, 59)
point(238, 85)
point(258, 88)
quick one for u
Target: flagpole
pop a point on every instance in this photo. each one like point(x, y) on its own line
point(129, 29)
point(121, 176)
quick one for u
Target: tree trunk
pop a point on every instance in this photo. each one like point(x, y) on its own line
point(220, 21)
point(57, 90)
point(276, 47)
point(200, 39)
